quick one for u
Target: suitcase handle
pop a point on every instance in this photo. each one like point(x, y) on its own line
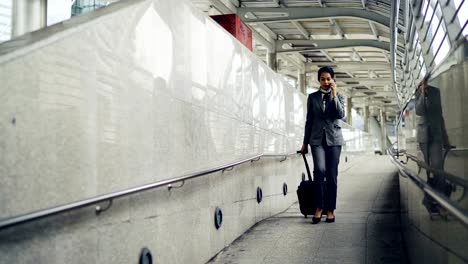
point(306, 165)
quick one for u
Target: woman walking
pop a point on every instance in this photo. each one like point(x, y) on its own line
point(323, 133)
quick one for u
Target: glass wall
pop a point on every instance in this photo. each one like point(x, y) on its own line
point(57, 11)
point(462, 14)
point(435, 145)
point(22, 16)
point(5, 20)
point(356, 140)
point(83, 6)
point(432, 141)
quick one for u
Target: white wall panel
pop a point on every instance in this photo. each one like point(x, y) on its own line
point(137, 92)
point(113, 100)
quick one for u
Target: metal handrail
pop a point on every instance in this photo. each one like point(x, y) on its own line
point(458, 150)
point(284, 156)
point(28, 217)
point(452, 178)
point(453, 208)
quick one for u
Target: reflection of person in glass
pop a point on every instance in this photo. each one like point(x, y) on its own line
point(431, 135)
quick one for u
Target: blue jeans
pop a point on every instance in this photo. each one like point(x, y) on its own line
point(326, 160)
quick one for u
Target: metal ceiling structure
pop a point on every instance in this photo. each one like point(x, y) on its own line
point(355, 37)
point(352, 36)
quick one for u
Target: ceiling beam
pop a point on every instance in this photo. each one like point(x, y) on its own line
point(235, 3)
point(374, 30)
point(301, 29)
point(222, 7)
point(297, 65)
point(301, 13)
point(352, 66)
point(258, 37)
point(269, 44)
point(299, 56)
point(309, 35)
point(357, 54)
point(349, 73)
point(336, 26)
point(389, 94)
point(386, 56)
point(363, 82)
point(325, 53)
point(376, 80)
point(301, 44)
point(270, 32)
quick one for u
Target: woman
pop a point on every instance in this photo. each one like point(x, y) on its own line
point(323, 133)
point(432, 138)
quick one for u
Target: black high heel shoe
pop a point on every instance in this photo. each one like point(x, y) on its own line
point(315, 220)
point(330, 220)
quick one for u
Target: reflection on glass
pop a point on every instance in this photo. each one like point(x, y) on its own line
point(5, 20)
point(462, 14)
point(432, 138)
point(198, 55)
point(436, 31)
point(83, 6)
point(154, 55)
point(57, 11)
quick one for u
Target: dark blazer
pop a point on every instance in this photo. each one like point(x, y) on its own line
point(318, 120)
point(431, 124)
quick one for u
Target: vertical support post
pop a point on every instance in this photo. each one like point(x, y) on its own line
point(383, 127)
point(271, 60)
point(301, 81)
point(28, 15)
point(366, 117)
point(395, 5)
point(349, 106)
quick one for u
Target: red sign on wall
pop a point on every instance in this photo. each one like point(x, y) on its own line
point(234, 25)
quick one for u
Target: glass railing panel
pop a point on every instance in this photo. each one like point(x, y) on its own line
point(356, 140)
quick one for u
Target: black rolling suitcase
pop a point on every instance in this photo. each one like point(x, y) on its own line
point(305, 193)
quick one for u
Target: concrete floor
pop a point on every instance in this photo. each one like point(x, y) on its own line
point(366, 230)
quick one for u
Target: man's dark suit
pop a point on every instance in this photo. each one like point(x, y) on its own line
point(323, 134)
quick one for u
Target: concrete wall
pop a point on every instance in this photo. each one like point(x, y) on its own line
point(133, 93)
point(177, 225)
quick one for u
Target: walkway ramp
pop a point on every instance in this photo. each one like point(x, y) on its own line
point(367, 228)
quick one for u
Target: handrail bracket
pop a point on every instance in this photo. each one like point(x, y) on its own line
point(170, 186)
point(99, 209)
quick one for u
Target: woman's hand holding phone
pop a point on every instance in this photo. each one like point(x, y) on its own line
point(333, 88)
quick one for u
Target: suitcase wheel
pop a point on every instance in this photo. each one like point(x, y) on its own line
point(305, 216)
